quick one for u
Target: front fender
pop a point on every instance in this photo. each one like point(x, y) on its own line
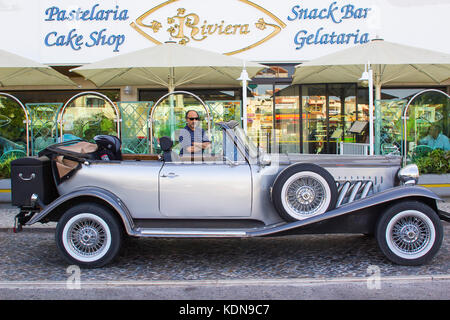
point(95, 192)
point(392, 194)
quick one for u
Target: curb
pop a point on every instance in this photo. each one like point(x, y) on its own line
point(26, 230)
point(222, 283)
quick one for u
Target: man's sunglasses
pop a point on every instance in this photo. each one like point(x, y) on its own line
point(192, 119)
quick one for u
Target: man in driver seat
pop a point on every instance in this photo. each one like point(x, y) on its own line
point(192, 137)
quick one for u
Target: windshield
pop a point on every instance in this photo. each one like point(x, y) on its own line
point(248, 144)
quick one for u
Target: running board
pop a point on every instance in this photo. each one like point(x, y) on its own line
point(190, 233)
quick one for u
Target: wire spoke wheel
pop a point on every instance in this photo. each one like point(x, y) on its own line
point(87, 237)
point(303, 191)
point(410, 234)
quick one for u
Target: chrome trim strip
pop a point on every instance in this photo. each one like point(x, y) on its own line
point(190, 233)
point(366, 189)
point(342, 193)
point(354, 191)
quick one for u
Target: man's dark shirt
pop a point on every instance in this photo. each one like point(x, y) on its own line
point(197, 135)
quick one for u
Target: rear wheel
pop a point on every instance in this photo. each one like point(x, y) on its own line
point(409, 233)
point(88, 235)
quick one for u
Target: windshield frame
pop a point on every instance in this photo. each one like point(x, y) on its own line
point(250, 149)
point(242, 142)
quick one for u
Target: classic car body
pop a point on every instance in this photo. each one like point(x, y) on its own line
point(238, 192)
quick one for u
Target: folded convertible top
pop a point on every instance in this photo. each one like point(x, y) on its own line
point(67, 157)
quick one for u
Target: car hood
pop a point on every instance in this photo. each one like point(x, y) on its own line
point(332, 159)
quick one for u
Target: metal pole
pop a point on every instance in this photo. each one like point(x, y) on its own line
point(244, 78)
point(371, 131)
point(244, 105)
point(171, 103)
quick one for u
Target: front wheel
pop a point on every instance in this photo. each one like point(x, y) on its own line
point(88, 235)
point(409, 233)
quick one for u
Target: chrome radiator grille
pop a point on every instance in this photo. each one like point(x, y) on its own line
point(349, 191)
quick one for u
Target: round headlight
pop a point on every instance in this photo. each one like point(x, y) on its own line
point(409, 174)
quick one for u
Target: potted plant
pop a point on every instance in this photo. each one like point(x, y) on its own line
point(434, 169)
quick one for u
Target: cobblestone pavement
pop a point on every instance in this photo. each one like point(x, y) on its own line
point(32, 256)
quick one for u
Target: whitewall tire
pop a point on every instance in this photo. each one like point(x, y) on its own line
point(409, 233)
point(88, 235)
point(303, 191)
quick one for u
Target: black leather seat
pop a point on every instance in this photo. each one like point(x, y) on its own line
point(110, 145)
point(166, 145)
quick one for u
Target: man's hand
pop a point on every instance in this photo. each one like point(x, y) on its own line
point(195, 148)
point(201, 145)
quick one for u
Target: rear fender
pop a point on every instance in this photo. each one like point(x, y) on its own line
point(99, 194)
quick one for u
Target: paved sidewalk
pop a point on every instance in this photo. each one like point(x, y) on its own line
point(7, 214)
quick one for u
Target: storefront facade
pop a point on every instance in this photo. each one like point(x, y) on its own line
point(306, 118)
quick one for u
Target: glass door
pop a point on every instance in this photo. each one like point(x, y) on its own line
point(342, 114)
point(287, 118)
point(314, 118)
point(260, 115)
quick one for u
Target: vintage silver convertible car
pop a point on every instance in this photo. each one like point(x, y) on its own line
point(238, 192)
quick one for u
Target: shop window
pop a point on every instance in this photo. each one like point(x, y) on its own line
point(95, 102)
point(135, 126)
point(43, 125)
point(260, 116)
point(287, 118)
point(278, 71)
point(223, 104)
point(169, 116)
point(86, 116)
point(314, 118)
point(58, 96)
point(427, 131)
point(388, 126)
point(13, 134)
point(342, 114)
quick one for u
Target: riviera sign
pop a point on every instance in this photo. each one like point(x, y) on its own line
point(336, 15)
point(161, 23)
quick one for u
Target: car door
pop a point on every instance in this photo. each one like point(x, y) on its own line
point(215, 187)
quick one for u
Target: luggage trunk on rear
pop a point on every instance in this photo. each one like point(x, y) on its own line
point(32, 175)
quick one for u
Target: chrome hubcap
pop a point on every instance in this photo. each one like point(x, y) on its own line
point(411, 234)
point(305, 195)
point(87, 237)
